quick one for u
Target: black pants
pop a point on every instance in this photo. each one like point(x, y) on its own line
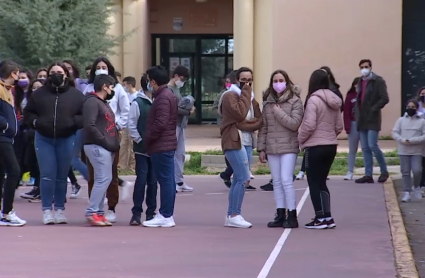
point(228, 171)
point(8, 165)
point(319, 160)
point(303, 164)
point(71, 176)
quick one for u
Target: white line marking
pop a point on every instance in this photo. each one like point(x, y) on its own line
point(177, 194)
point(273, 255)
point(214, 193)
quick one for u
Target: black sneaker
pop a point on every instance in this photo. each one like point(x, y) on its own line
point(268, 186)
point(135, 220)
point(226, 179)
point(36, 199)
point(331, 223)
point(316, 224)
point(383, 177)
point(30, 194)
point(76, 190)
point(250, 188)
point(365, 179)
point(149, 216)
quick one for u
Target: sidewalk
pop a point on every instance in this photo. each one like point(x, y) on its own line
point(200, 138)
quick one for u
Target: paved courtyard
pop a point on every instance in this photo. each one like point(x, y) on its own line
point(200, 247)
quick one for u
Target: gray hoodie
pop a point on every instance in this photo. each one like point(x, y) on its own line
point(133, 118)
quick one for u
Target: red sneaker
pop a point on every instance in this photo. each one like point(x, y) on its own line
point(95, 220)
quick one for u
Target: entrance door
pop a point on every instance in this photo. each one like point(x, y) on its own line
point(208, 58)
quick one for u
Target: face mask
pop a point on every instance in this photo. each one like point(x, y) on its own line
point(365, 72)
point(101, 71)
point(422, 99)
point(228, 85)
point(150, 89)
point(411, 111)
point(110, 96)
point(279, 87)
point(23, 83)
point(179, 83)
point(56, 79)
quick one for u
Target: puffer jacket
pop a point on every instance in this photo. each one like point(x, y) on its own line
point(279, 131)
point(412, 129)
point(322, 120)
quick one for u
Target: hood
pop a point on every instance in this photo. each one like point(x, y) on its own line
point(330, 98)
point(142, 94)
point(296, 90)
point(93, 95)
point(7, 86)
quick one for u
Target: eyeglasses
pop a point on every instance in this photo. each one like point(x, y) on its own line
point(246, 80)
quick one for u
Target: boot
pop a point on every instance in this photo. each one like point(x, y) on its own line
point(291, 221)
point(279, 219)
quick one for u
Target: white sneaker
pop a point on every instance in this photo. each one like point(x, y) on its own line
point(300, 176)
point(406, 197)
point(125, 192)
point(237, 222)
point(349, 176)
point(60, 217)
point(160, 221)
point(417, 193)
point(251, 176)
point(183, 188)
point(48, 217)
point(111, 216)
point(11, 220)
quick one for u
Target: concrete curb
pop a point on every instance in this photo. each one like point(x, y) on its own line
point(405, 263)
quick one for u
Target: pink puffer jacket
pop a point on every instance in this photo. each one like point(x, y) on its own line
point(322, 120)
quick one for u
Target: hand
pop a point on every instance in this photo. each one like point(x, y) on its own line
point(192, 110)
point(276, 108)
point(262, 157)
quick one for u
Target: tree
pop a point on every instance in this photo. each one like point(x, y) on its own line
point(35, 33)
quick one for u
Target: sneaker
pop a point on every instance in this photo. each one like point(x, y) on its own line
point(365, 179)
point(349, 176)
point(406, 197)
point(95, 220)
point(383, 177)
point(150, 216)
point(104, 220)
point(125, 192)
point(111, 216)
point(31, 182)
point(60, 217)
point(183, 188)
point(136, 220)
point(268, 186)
point(300, 176)
point(160, 221)
point(237, 222)
point(417, 193)
point(76, 190)
point(331, 223)
point(250, 188)
point(11, 220)
point(251, 176)
point(226, 179)
point(48, 217)
point(317, 224)
point(30, 194)
point(35, 199)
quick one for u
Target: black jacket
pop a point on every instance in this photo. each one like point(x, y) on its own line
point(55, 112)
point(99, 124)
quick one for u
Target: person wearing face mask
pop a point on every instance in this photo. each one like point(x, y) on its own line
point(409, 132)
point(100, 144)
point(421, 112)
point(372, 96)
point(55, 112)
point(9, 75)
point(120, 105)
point(41, 74)
point(179, 78)
point(278, 144)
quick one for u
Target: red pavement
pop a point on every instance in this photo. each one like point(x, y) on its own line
point(200, 247)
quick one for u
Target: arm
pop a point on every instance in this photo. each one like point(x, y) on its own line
point(262, 134)
point(396, 132)
point(348, 108)
point(292, 121)
point(237, 105)
point(30, 112)
point(383, 95)
point(309, 122)
point(90, 112)
point(254, 124)
point(124, 106)
point(162, 117)
point(419, 139)
point(133, 118)
point(339, 125)
point(183, 112)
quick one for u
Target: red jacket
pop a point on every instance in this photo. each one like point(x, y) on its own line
point(161, 124)
point(349, 108)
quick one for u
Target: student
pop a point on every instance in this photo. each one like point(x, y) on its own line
point(409, 132)
point(317, 135)
point(9, 76)
point(179, 78)
point(139, 112)
point(100, 144)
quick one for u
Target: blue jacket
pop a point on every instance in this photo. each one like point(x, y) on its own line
point(8, 121)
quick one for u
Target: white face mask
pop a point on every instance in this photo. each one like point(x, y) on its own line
point(101, 71)
point(365, 72)
point(179, 83)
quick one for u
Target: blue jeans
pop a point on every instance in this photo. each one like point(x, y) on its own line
point(249, 152)
point(353, 145)
point(369, 142)
point(54, 157)
point(163, 166)
point(239, 161)
point(145, 175)
point(76, 163)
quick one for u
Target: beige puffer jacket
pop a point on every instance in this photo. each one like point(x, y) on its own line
point(279, 131)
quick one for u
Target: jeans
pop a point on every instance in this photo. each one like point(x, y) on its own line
point(319, 160)
point(249, 152)
point(409, 164)
point(101, 161)
point(163, 166)
point(238, 159)
point(8, 165)
point(179, 155)
point(369, 142)
point(282, 168)
point(77, 162)
point(353, 145)
point(145, 176)
point(54, 157)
